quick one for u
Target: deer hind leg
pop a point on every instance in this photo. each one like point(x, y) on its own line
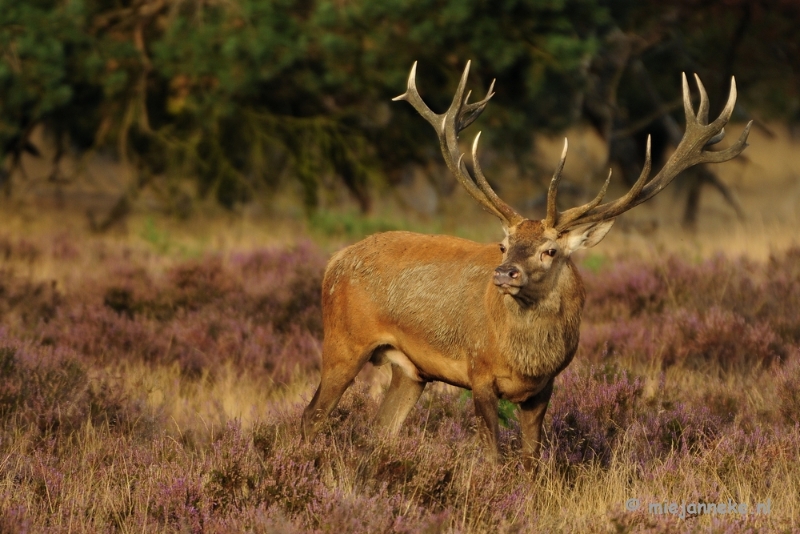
point(339, 368)
point(404, 392)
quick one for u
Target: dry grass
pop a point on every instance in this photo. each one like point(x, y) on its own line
point(179, 411)
point(155, 386)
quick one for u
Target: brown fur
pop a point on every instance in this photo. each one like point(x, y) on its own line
point(428, 305)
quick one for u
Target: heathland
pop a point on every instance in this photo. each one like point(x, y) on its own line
point(153, 379)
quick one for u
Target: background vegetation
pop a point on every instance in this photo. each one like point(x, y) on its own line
point(242, 97)
point(144, 391)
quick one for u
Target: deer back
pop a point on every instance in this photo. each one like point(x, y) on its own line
point(438, 291)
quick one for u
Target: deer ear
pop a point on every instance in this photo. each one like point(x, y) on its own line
point(585, 235)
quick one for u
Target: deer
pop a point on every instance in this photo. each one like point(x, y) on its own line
point(502, 321)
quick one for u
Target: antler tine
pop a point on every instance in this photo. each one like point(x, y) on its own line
point(566, 218)
point(440, 122)
point(508, 212)
point(732, 151)
point(727, 111)
point(447, 125)
point(412, 97)
point(688, 110)
point(470, 112)
point(702, 111)
point(689, 152)
point(726, 114)
point(717, 138)
point(448, 139)
point(552, 191)
point(631, 195)
point(466, 114)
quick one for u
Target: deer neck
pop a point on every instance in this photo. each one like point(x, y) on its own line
point(539, 336)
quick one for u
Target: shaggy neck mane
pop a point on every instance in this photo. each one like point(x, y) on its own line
point(543, 336)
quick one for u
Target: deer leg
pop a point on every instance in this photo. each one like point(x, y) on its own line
point(336, 378)
point(485, 400)
point(531, 416)
point(403, 393)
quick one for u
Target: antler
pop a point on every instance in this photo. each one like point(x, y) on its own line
point(459, 115)
point(690, 151)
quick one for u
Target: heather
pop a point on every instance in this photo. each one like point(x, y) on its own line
point(732, 314)
point(144, 389)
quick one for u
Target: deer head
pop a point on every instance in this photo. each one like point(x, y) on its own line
point(533, 250)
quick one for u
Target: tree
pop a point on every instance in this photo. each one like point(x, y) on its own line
point(717, 40)
point(245, 96)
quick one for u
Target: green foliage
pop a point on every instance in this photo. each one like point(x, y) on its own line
point(40, 72)
point(246, 96)
point(353, 226)
point(350, 225)
point(594, 262)
point(160, 240)
point(242, 96)
point(164, 243)
point(506, 410)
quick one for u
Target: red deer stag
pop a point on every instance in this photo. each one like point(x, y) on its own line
point(501, 321)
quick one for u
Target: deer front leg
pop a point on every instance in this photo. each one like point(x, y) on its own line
point(531, 416)
point(485, 400)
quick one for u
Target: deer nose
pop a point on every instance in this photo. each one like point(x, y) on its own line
point(507, 275)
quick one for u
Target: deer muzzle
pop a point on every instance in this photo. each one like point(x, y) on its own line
point(509, 279)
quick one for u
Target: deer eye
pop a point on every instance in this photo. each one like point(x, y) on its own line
point(550, 252)
point(502, 248)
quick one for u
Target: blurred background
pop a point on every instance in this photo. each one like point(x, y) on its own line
point(279, 112)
